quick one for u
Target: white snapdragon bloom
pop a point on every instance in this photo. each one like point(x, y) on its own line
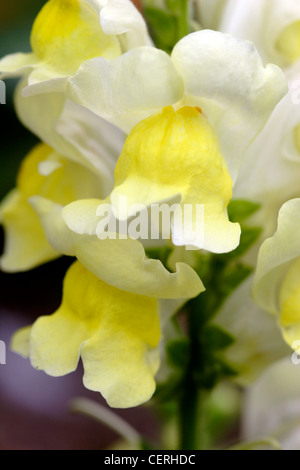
point(273, 26)
point(220, 105)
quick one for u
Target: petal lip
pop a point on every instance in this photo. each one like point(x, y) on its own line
point(275, 256)
point(14, 65)
point(107, 328)
point(98, 87)
point(112, 259)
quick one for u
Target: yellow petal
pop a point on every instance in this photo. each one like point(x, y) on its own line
point(122, 387)
point(123, 263)
point(177, 153)
point(26, 245)
point(67, 33)
point(110, 328)
point(20, 342)
point(68, 182)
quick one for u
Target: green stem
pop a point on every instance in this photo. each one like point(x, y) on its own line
point(189, 417)
point(183, 20)
point(189, 405)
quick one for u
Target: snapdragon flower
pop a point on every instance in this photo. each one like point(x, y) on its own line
point(117, 335)
point(274, 27)
point(66, 33)
point(235, 104)
point(48, 174)
point(276, 284)
point(190, 119)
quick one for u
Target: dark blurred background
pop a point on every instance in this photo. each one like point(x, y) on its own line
point(34, 407)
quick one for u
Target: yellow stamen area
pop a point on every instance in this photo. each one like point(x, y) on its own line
point(67, 33)
point(288, 43)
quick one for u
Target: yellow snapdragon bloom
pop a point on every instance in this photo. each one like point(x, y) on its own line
point(116, 334)
point(63, 181)
point(66, 33)
point(177, 153)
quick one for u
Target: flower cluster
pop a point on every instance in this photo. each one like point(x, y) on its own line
point(207, 122)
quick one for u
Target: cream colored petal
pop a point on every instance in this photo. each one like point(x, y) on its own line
point(121, 18)
point(112, 259)
point(264, 23)
point(96, 139)
point(258, 340)
point(55, 229)
point(226, 78)
point(99, 86)
point(56, 128)
point(273, 179)
point(81, 216)
point(17, 64)
point(275, 256)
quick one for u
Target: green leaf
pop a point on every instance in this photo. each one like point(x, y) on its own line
point(178, 352)
point(216, 338)
point(239, 210)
